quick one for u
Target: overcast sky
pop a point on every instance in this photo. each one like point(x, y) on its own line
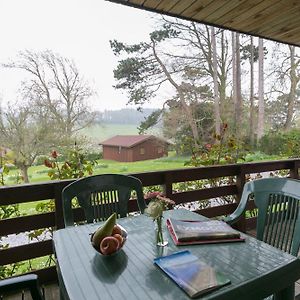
point(77, 29)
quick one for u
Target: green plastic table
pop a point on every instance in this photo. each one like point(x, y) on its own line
point(255, 269)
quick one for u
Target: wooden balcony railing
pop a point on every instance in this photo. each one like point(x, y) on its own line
point(52, 190)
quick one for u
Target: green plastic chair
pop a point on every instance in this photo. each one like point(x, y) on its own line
point(102, 195)
point(24, 282)
point(277, 200)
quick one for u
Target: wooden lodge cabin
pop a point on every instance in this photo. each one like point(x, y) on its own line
point(129, 148)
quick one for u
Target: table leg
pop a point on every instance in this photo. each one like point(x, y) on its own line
point(286, 294)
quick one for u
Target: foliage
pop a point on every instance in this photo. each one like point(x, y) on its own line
point(26, 134)
point(9, 270)
point(75, 166)
point(281, 143)
point(277, 110)
point(7, 211)
point(150, 121)
point(5, 163)
point(227, 150)
point(93, 156)
point(176, 127)
point(140, 73)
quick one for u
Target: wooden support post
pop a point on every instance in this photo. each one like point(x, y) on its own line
point(294, 171)
point(167, 187)
point(240, 182)
point(59, 217)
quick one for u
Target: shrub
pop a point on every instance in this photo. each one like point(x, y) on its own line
point(281, 143)
point(76, 165)
point(92, 156)
point(101, 166)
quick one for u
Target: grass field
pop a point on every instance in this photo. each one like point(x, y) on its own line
point(40, 173)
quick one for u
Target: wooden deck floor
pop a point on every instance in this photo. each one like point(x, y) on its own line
point(51, 292)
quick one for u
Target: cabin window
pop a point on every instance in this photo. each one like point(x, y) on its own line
point(142, 151)
point(159, 150)
point(120, 148)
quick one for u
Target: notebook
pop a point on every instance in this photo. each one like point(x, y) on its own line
point(191, 274)
point(185, 232)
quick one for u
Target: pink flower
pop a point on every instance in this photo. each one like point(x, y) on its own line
point(152, 195)
point(158, 204)
point(48, 163)
point(54, 154)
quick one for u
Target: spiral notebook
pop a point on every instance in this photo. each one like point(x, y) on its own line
point(191, 274)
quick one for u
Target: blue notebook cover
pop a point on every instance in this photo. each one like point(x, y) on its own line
point(190, 273)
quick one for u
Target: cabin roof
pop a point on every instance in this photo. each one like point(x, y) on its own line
point(128, 141)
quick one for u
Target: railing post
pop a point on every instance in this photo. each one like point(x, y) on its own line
point(167, 186)
point(240, 182)
point(59, 217)
point(294, 172)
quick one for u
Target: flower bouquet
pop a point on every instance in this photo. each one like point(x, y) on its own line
point(158, 203)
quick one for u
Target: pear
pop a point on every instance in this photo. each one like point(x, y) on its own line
point(104, 231)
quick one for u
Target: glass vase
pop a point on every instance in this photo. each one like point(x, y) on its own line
point(159, 233)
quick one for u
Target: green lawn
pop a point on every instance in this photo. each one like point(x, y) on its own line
point(40, 173)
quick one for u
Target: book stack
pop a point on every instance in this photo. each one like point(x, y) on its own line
point(186, 232)
point(190, 273)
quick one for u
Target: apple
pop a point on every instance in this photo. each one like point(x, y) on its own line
point(116, 230)
point(119, 238)
point(109, 245)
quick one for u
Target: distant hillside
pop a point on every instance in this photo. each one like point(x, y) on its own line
point(128, 116)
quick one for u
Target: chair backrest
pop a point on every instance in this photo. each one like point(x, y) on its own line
point(101, 195)
point(24, 282)
point(278, 202)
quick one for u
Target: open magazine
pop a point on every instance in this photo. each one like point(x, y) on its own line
point(190, 273)
point(185, 232)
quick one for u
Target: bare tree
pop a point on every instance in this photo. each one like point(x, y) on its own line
point(234, 86)
point(215, 80)
point(294, 77)
point(55, 85)
point(27, 134)
point(251, 123)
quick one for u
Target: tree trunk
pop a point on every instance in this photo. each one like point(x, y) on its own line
point(261, 103)
point(185, 106)
point(234, 87)
point(251, 123)
point(24, 173)
point(292, 93)
point(215, 79)
point(238, 109)
point(222, 76)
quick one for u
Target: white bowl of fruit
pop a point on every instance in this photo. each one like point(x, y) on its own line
point(109, 238)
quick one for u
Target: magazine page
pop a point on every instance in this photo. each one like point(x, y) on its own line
point(190, 273)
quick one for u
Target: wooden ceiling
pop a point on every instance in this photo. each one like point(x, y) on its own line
point(277, 20)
